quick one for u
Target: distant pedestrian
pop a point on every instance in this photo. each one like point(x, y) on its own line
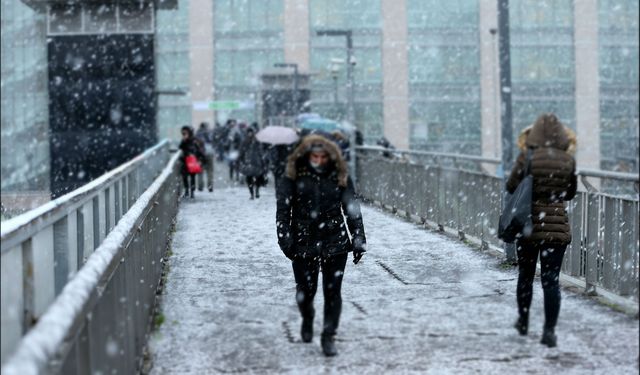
point(235, 139)
point(252, 163)
point(554, 181)
point(277, 157)
point(218, 141)
point(189, 146)
point(205, 136)
point(312, 232)
point(343, 142)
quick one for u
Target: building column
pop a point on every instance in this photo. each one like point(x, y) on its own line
point(201, 60)
point(489, 80)
point(296, 33)
point(587, 83)
point(395, 72)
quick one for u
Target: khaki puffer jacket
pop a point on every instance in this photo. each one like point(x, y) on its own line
point(554, 181)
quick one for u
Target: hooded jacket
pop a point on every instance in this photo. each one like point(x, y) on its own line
point(251, 158)
point(554, 180)
point(311, 204)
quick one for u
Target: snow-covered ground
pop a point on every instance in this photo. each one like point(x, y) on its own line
point(419, 302)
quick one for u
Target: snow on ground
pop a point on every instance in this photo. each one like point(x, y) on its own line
point(419, 302)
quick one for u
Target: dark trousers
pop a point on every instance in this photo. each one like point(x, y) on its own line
point(185, 180)
point(550, 264)
point(253, 182)
point(306, 275)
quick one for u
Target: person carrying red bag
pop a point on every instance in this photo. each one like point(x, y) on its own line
point(192, 159)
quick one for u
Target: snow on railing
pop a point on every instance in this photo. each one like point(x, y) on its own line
point(467, 199)
point(44, 248)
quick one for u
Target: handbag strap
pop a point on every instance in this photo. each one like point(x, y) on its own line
point(527, 170)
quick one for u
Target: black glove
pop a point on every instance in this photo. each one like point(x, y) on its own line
point(359, 248)
point(286, 245)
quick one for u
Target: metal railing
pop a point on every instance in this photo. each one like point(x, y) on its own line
point(43, 249)
point(458, 194)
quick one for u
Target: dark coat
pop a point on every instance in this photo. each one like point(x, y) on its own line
point(554, 181)
point(277, 155)
point(310, 207)
point(191, 146)
point(251, 159)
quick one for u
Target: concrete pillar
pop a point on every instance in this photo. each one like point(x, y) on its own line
point(587, 82)
point(395, 72)
point(201, 60)
point(489, 79)
point(296, 33)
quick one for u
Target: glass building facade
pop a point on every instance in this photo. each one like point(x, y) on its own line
point(444, 75)
point(364, 18)
point(24, 110)
point(618, 65)
point(542, 61)
point(172, 70)
point(248, 40)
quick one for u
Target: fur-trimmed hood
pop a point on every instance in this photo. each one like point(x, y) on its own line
point(299, 155)
point(547, 132)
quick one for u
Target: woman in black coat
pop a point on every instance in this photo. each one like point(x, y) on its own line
point(312, 231)
point(252, 163)
point(189, 145)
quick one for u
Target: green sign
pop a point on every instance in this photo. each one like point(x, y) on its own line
point(224, 105)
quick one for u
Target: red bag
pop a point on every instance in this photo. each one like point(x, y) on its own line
point(193, 165)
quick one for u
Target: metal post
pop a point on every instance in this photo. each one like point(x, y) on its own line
point(505, 99)
point(296, 105)
point(335, 92)
point(350, 84)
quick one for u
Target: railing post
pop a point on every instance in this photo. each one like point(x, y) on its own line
point(43, 270)
point(11, 300)
point(61, 255)
point(629, 249)
point(72, 242)
point(591, 271)
point(88, 229)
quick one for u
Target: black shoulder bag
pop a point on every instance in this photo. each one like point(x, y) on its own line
point(515, 220)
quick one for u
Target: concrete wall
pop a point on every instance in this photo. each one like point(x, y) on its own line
point(395, 72)
point(489, 80)
point(587, 83)
point(201, 59)
point(296, 33)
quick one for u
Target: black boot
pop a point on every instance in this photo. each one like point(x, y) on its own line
point(328, 345)
point(549, 338)
point(192, 195)
point(307, 329)
point(522, 325)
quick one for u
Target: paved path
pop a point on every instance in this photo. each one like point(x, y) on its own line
point(418, 303)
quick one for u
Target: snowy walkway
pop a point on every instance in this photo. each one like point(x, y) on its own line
point(418, 303)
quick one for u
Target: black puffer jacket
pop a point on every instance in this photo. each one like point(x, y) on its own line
point(191, 146)
point(252, 160)
point(309, 218)
point(554, 181)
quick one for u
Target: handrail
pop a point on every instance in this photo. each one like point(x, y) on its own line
point(44, 248)
point(21, 227)
point(473, 158)
point(587, 172)
point(46, 347)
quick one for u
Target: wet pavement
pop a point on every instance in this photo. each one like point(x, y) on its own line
point(419, 302)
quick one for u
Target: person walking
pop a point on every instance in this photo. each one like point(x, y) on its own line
point(554, 181)
point(252, 163)
point(205, 136)
point(277, 156)
point(234, 141)
point(189, 146)
point(312, 232)
point(218, 141)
